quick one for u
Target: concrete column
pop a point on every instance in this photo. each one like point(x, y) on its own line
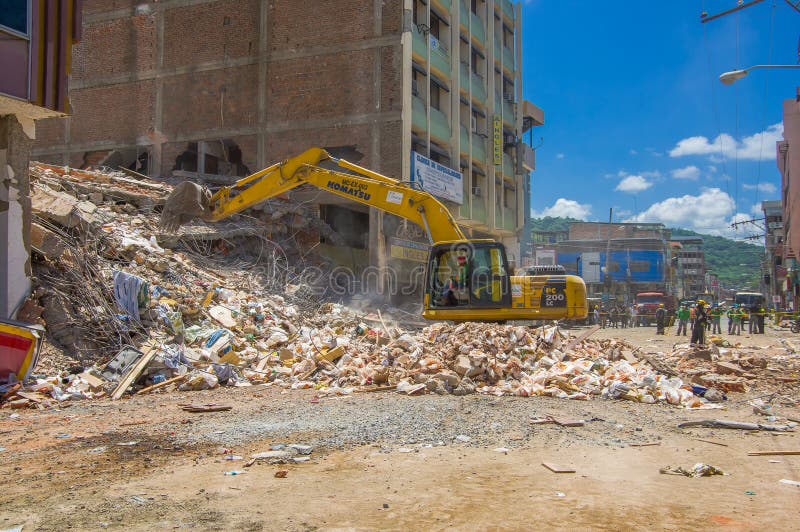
point(15, 216)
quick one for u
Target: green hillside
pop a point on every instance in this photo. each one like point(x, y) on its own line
point(737, 264)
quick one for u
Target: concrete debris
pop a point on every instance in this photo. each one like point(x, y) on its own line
point(226, 314)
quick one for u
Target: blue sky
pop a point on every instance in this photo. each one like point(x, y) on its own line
point(637, 119)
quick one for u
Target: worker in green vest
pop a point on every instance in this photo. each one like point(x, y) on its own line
point(683, 319)
point(716, 317)
point(734, 319)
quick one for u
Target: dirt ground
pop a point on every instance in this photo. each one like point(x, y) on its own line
point(384, 461)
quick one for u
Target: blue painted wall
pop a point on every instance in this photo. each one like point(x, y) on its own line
point(646, 266)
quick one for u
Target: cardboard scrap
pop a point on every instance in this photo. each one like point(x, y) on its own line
point(558, 468)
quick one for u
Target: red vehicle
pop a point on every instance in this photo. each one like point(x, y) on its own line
point(647, 303)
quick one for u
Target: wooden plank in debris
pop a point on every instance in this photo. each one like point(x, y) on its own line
point(712, 442)
point(647, 444)
point(211, 407)
point(568, 422)
point(581, 337)
point(161, 384)
point(33, 397)
point(773, 453)
point(95, 383)
point(558, 468)
point(134, 373)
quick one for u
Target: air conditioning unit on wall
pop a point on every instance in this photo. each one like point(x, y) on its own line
point(476, 191)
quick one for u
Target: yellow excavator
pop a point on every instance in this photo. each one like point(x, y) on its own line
point(466, 279)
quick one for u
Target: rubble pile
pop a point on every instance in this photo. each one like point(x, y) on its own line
point(221, 305)
point(736, 368)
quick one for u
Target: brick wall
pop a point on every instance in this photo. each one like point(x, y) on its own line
point(295, 24)
point(210, 32)
point(313, 87)
point(333, 95)
point(128, 45)
point(212, 99)
point(118, 112)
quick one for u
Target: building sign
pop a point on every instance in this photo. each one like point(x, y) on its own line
point(408, 250)
point(498, 140)
point(436, 178)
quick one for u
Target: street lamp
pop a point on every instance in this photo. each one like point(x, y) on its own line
point(729, 77)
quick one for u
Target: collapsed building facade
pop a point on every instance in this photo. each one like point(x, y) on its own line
point(212, 90)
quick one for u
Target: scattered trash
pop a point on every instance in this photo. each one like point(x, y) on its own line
point(232, 457)
point(63, 436)
point(560, 494)
point(463, 438)
point(503, 450)
point(233, 473)
point(790, 482)
point(749, 492)
point(97, 450)
point(698, 470)
point(128, 443)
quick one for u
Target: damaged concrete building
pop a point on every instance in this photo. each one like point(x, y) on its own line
point(36, 39)
point(216, 89)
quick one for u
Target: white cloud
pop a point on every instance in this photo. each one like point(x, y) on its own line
point(767, 188)
point(688, 172)
point(755, 210)
point(633, 184)
point(559, 155)
point(651, 174)
point(711, 169)
point(755, 147)
point(710, 212)
point(565, 208)
point(633, 152)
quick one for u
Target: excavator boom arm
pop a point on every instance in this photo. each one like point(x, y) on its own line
point(365, 186)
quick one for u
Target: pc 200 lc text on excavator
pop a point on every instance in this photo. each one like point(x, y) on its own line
point(466, 279)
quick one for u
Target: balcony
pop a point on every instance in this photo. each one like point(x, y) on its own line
point(497, 47)
point(443, 5)
point(419, 119)
point(440, 57)
point(508, 9)
point(478, 89)
point(527, 156)
point(479, 149)
point(476, 28)
point(508, 112)
point(419, 45)
point(465, 77)
point(508, 59)
point(464, 16)
point(479, 208)
point(440, 126)
point(509, 219)
point(508, 167)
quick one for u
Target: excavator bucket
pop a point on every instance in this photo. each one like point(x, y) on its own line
point(186, 202)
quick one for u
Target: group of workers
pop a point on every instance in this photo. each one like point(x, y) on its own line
point(701, 318)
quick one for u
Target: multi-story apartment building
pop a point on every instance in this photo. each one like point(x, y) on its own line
point(772, 268)
point(788, 160)
point(690, 266)
point(410, 88)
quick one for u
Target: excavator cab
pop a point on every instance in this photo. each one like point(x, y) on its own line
point(466, 275)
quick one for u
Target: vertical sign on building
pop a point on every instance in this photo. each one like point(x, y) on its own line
point(498, 140)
